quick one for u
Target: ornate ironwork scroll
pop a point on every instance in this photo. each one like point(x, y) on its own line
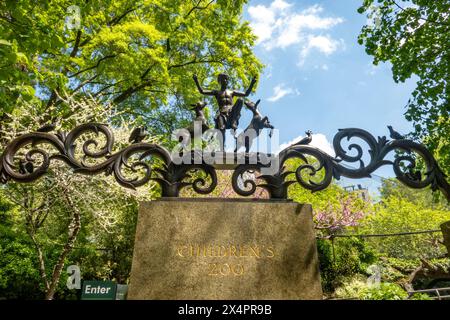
point(25, 159)
point(316, 163)
point(31, 165)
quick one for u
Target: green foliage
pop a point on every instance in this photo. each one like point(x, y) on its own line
point(403, 209)
point(333, 199)
point(385, 291)
point(357, 288)
point(107, 256)
point(414, 37)
point(397, 215)
point(19, 278)
point(422, 197)
point(139, 54)
point(322, 199)
point(351, 256)
point(103, 249)
point(397, 270)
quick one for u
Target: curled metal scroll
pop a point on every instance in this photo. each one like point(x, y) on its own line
point(404, 164)
point(174, 177)
point(27, 158)
point(45, 147)
point(318, 164)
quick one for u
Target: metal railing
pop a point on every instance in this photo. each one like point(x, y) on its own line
point(440, 293)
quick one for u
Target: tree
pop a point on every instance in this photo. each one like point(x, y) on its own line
point(423, 197)
point(398, 215)
point(334, 209)
point(59, 207)
point(414, 37)
point(136, 59)
point(139, 54)
point(62, 213)
point(19, 279)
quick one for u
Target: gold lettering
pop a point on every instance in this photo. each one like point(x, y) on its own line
point(238, 269)
point(270, 251)
point(233, 251)
point(256, 251)
point(242, 251)
point(226, 269)
point(211, 250)
point(212, 267)
point(224, 251)
point(180, 250)
point(197, 251)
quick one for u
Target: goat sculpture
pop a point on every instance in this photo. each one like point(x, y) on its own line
point(199, 117)
point(254, 129)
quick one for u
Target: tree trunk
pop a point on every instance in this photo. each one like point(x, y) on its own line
point(74, 229)
point(41, 260)
point(428, 271)
point(445, 227)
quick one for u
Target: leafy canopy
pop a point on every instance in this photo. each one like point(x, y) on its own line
point(414, 36)
point(139, 54)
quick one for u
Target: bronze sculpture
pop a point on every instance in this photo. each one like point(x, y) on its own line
point(24, 160)
point(228, 114)
point(199, 117)
point(257, 123)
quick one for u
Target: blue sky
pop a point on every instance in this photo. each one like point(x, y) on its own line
point(318, 77)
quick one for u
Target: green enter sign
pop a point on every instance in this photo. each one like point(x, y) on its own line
point(98, 290)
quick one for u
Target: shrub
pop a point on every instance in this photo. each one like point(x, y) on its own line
point(351, 256)
point(359, 288)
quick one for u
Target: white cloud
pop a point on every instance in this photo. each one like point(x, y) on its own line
point(323, 44)
point(319, 140)
point(279, 26)
point(280, 5)
point(280, 91)
point(263, 21)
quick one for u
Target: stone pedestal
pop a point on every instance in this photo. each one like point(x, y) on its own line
point(224, 249)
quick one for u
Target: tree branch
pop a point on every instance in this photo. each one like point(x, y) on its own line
point(195, 61)
point(147, 71)
point(420, 18)
point(128, 92)
point(94, 66)
point(117, 19)
point(106, 87)
point(85, 82)
point(197, 7)
point(76, 45)
point(73, 53)
point(40, 260)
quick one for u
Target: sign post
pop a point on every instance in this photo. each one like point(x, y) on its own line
point(99, 290)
